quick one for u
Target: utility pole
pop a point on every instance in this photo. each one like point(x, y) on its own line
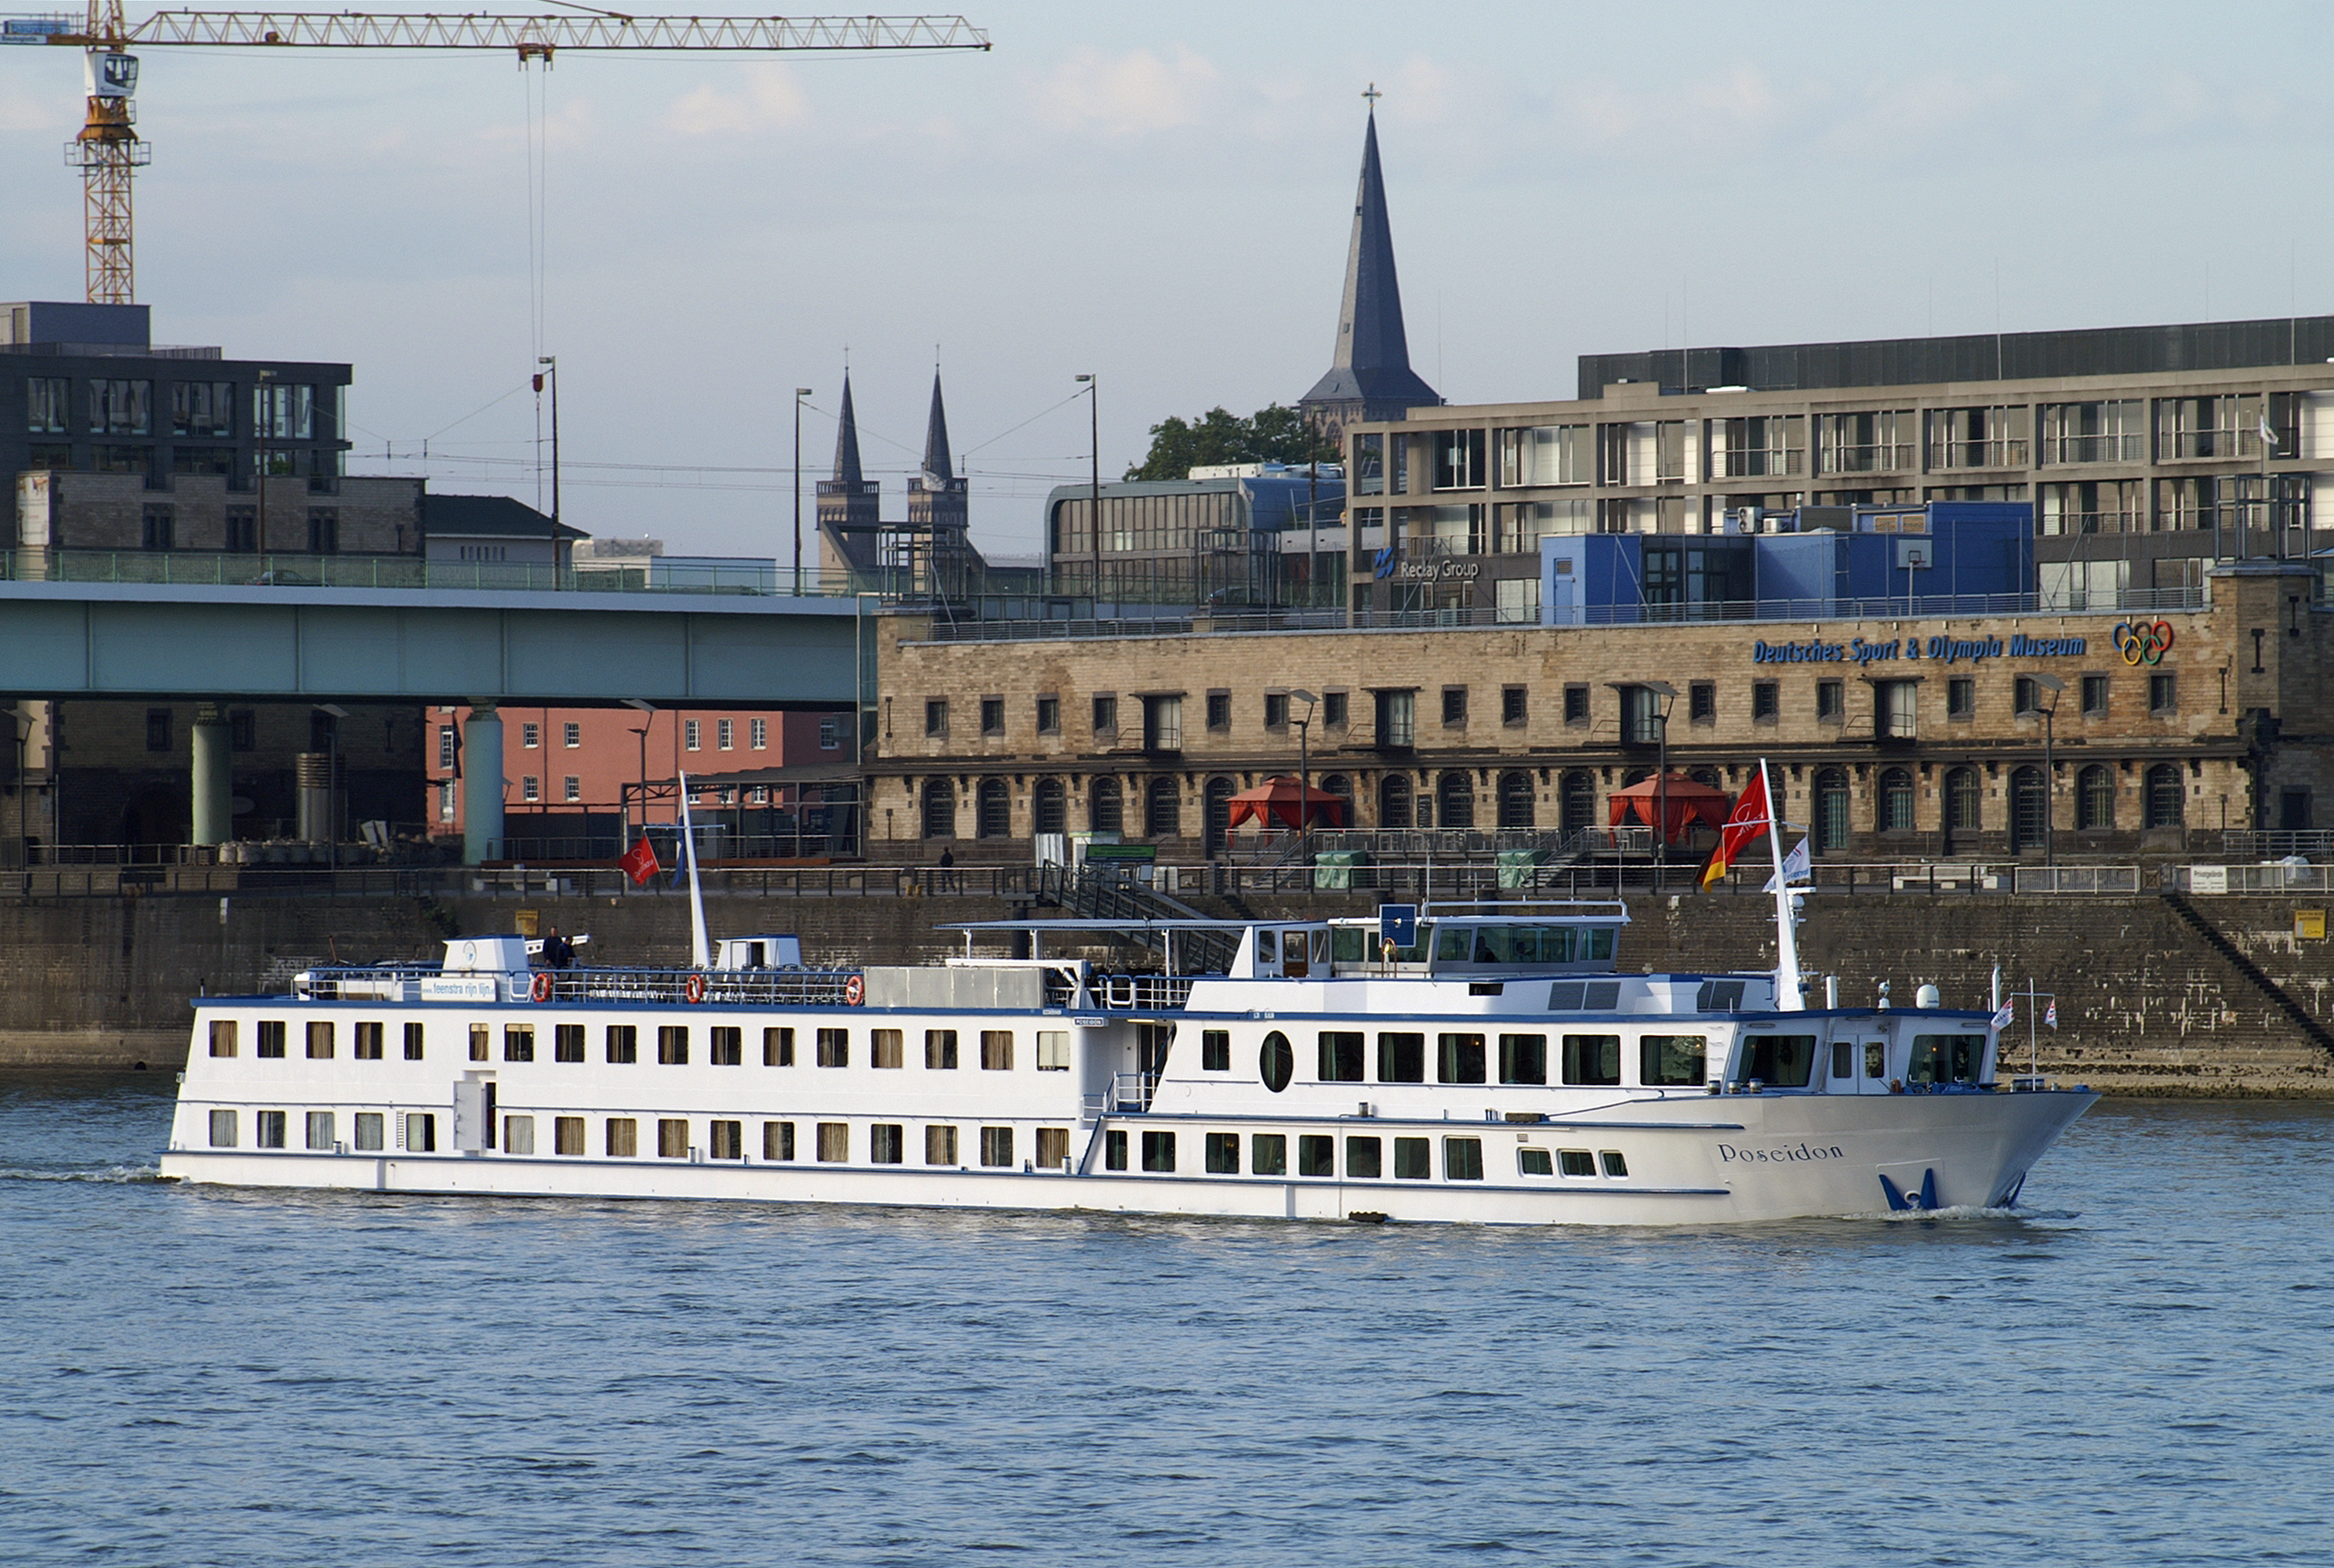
point(800, 393)
point(1094, 501)
point(551, 363)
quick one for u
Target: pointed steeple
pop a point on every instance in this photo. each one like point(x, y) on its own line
point(939, 467)
point(846, 441)
point(1369, 375)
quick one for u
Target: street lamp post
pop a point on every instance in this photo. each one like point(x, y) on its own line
point(2054, 686)
point(1094, 496)
point(262, 409)
point(1664, 697)
point(800, 393)
point(1304, 760)
point(648, 717)
point(551, 373)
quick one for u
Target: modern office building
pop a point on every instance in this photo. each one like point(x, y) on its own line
point(1252, 535)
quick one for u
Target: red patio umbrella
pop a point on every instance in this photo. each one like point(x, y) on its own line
point(1689, 801)
point(1282, 802)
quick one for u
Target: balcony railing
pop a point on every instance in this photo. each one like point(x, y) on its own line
point(2008, 452)
point(1881, 457)
point(2120, 448)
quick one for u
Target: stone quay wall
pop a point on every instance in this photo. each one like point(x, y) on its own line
point(2146, 1005)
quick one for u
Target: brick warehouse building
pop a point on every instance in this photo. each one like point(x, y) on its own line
point(985, 735)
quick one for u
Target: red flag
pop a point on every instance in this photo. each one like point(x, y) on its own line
point(640, 863)
point(1743, 827)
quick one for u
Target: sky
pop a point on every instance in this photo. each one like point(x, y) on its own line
point(1161, 196)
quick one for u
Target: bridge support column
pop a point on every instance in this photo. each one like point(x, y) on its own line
point(482, 785)
point(213, 813)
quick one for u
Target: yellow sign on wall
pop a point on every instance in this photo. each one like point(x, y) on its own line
point(2309, 925)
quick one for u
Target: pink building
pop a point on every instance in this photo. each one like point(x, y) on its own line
point(579, 781)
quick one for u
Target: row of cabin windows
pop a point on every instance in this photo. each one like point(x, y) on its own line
point(886, 1048)
point(1316, 1156)
point(1663, 1061)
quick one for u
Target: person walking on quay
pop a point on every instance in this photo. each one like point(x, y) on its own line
point(948, 883)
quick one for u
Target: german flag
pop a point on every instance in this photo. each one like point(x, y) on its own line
point(1743, 826)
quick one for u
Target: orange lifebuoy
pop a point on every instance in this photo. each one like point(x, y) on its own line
point(541, 989)
point(694, 989)
point(854, 991)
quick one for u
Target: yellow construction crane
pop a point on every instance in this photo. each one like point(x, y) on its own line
point(109, 147)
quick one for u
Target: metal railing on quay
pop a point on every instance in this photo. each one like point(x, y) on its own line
point(221, 569)
point(2272, 877)
point(2272, 845)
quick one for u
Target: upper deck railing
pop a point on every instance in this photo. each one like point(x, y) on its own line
point(224, 569)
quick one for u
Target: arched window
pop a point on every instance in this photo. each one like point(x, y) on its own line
point(2167, 800)
point(1962, 797)
point(2030, 809)
point(1393, 801)
point(1218, 814)
point(939, 809)
point(2095, 797)
point(1338, 785)
point(993, 817)
point(1832, 810)
point(1049, 810)
point(1579, 803)
point(1705, 776)
point(1163, 811)
point(1636, 775)
point(1105, 807)
point(1896, 801)
point(1515, 800)
point(1454, 803)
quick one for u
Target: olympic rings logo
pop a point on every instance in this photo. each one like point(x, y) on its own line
point(2142, 643)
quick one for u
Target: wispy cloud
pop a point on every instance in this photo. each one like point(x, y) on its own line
point(769, 99)
point(1131, 94)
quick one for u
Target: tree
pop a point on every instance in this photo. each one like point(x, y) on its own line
point(1273, 434)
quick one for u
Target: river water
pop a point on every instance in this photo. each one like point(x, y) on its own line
point(2138, 1368)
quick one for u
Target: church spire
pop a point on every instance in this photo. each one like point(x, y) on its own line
point(1369, 375)
point(939, 467)
point(846, 441)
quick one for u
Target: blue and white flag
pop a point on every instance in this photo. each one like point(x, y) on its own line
point(2051, 1013)
point(1797, 869)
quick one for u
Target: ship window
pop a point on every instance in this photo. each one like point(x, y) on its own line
point(672, 1138)
point(1053, 1147)
point(1576, 1162)
point(413, 1042)
point(566, 1134)
point(1317, 1155)
point(886, 1047)
point(421, 1132)
point(1158, 1152)
point(1843, 1059)
point(1534, 1162)
point(1783, 1061)
point(1341, 1056)
point(1053, 1051)
point(623, 1043)
point(518, 1135)
point(222, 1037)
point(726, 1046)
point(1459, 1059)
point(1222, 1152)
point(834, 1141)
point(320, 1129)
point(567, 1043)
point(271, 1036)
point(777, 1140)
point(1215, 1050)
point(1411, 1156)
point(1876, 1059)
point(1592, 1059)
point(672, 1045)
point(940, 1049)
point(1275, 1062)
point(518, 1043)
point(1945, 1059)
point(996, 1049)
point(1267, 946)
point(1462, 1160)
point(1614, 1164)
point(1670, 1061)
point(1523, 1058)
point(369, 1132)
point(320, 1039)
point(778, 1047)
point(1365, 1159)
point(624, 1138)
point(482, 1038)
point(1402, 1058)
point(1113, 1150)
point(939, 1146)
point(997, 1146)
point(269, 1126)
point(833, 1051)
point(1268, 1154)
point(887, 1143)
point(1583, 995)
point(725, 1140)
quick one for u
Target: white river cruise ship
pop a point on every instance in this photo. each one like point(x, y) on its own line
point(1499, 1069)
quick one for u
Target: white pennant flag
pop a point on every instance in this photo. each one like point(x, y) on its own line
point(2001, 1020)
point(1797, 869)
